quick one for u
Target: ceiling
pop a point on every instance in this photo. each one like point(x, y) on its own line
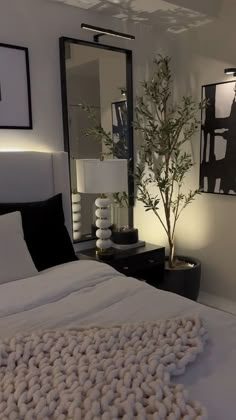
point(175, 15)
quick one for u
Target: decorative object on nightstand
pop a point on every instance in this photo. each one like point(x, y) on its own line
point(125, 236)
point(102, 177)
point(122, 234)
point(124, 247)
point(163, 161)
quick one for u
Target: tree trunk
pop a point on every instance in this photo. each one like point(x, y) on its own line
point(171, 253)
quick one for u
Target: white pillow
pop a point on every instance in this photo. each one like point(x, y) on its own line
point(15, 260)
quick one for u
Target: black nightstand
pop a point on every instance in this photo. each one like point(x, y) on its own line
point(145, 263)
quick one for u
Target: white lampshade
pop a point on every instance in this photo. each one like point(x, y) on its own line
point(96, 177)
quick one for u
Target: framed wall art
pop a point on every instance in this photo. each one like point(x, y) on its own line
point(120, 129)
point(218, 139)
point(15, 94)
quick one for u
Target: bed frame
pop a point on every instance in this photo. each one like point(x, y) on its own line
point(35, 176)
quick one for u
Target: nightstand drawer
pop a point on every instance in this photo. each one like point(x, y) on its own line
point(152, 258)
point(132, 264)
point(145, 263)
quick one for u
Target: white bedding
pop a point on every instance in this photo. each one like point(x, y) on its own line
point(91, 293)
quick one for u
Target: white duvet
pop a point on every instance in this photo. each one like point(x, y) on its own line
point(91, 293)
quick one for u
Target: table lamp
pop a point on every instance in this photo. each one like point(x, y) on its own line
point(102, 177)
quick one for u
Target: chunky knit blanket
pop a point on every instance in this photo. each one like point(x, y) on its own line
point(121, 372)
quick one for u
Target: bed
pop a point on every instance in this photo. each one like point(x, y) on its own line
point(81, 294)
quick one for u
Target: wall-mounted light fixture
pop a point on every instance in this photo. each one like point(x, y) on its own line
point(230, 71)
point(103, 31)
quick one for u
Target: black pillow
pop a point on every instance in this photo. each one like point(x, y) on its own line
point(45, 232)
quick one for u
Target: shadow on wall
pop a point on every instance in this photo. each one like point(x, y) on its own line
point(212, 42)
point(209, 7)
point(175, 16)
point(171, 17)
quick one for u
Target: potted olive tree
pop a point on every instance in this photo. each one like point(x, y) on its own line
point(163, 163)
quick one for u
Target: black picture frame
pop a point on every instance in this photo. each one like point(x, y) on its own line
point(15, 88)
point(218, 139)
point(119, 128)
point(63, 49)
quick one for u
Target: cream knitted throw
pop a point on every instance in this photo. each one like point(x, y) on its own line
point(119, 372)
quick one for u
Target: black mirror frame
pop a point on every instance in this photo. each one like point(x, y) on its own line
point(129, 82)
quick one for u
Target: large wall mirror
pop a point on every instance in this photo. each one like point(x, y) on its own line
point(96, 90)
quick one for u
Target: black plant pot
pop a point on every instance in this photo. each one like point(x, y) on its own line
point(183, 281)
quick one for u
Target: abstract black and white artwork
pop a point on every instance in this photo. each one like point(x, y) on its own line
point(218, 139)
point(15, 97)
point(120, 129)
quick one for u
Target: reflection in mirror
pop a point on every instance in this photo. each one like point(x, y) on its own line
point(97, 93)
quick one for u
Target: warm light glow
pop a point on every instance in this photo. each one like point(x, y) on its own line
point(26, 149)
point(195, 229)
point(16, 141)
point(196, 226)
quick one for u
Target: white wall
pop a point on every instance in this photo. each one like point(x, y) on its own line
point(207, 228)
point(38, 24)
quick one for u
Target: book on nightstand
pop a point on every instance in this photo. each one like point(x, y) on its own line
point(128, 246)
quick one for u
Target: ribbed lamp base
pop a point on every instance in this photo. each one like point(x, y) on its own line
point(103, 233)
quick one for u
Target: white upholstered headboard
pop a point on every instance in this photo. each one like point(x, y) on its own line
point(35, 176)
